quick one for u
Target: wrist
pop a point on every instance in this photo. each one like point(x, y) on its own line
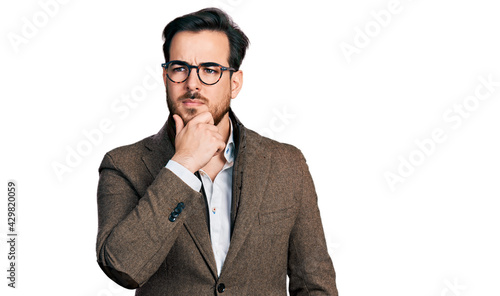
point(185, 162)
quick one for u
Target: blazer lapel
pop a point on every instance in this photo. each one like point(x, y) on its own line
point(253, 169)
point(162, 149)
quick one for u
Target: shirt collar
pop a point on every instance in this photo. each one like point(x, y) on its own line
point(229, 152)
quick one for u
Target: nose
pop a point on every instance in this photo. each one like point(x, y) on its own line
point(193, 83)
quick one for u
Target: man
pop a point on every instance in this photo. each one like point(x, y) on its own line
point(207, 206)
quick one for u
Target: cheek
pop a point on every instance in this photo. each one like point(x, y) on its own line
point(223, 90)
point(174, 90)
point(219, 97)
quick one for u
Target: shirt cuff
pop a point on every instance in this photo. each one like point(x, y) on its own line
point(184, 174)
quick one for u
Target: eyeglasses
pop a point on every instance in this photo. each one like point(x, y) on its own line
point(208, 73)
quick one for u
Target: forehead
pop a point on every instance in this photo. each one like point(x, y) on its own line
point(200, 47)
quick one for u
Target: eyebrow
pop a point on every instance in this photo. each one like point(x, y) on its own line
point(198, 64)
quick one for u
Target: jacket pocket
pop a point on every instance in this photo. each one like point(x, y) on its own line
point(278, 215)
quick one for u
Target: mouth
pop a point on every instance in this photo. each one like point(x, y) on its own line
point(192, 102)
point(192, 99)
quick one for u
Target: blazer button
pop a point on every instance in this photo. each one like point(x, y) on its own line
point(221, 288)
point(180, 206)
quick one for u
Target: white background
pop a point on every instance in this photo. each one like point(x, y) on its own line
point(356, 117)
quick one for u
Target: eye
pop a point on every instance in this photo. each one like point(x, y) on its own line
point(178, 68)
point(211, 70)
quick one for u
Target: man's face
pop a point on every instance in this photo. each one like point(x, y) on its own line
point(189, 98)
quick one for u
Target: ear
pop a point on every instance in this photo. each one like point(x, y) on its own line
point(236, 83)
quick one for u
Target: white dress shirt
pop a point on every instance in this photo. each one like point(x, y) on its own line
point(218, 193)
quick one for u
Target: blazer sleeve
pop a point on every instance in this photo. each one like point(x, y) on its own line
point(310, 267)
point(134, 233)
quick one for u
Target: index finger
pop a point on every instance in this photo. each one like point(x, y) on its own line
point(203, 117)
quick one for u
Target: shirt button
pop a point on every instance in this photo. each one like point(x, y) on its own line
point(221, 288)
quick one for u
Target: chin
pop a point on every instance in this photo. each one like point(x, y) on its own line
point(188, 114)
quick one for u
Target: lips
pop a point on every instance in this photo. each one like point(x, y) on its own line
point(192, 102)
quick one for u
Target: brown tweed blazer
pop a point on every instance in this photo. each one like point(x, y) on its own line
point(276, 226)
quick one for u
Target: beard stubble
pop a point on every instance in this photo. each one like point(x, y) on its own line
point(218, 111)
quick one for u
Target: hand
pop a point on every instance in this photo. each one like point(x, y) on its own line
point(197, 142)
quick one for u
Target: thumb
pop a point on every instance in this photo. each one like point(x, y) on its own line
point(179, 123)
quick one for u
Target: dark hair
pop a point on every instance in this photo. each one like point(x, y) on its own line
point(212, 19)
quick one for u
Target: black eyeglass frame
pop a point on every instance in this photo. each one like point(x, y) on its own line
point(209, 64)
